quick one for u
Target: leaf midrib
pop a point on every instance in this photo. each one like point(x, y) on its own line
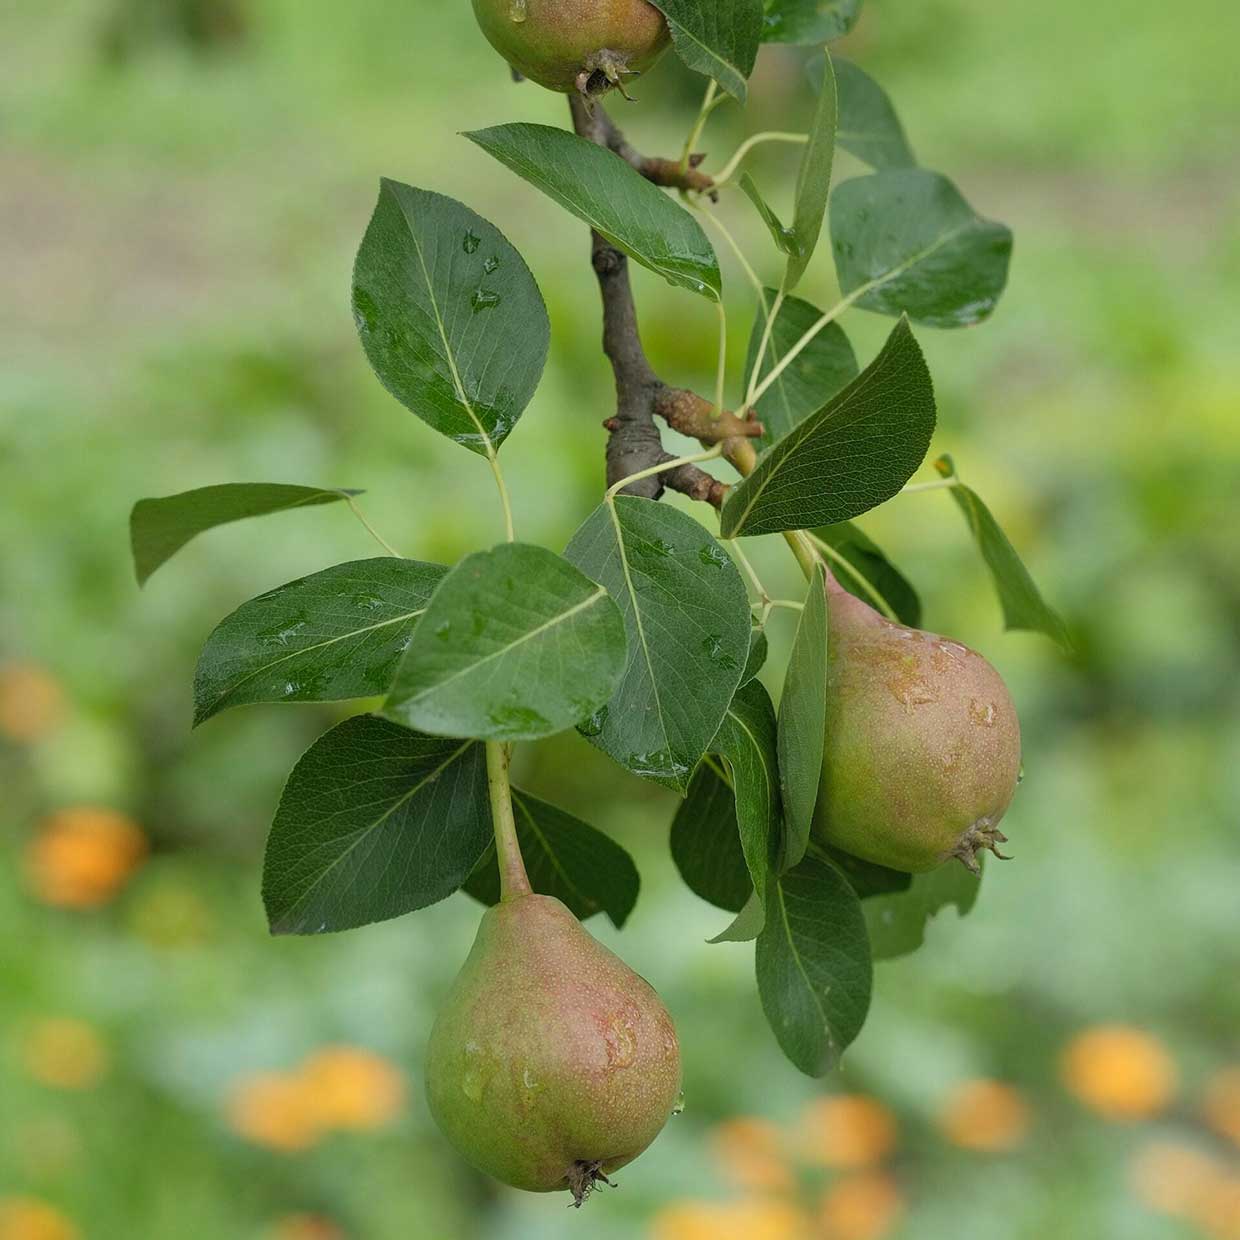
point(366, 832)
point(551, 854)
point(449, 356)
point(558, 618)
point(796, 956)
point(637, 617)
point(304, 650)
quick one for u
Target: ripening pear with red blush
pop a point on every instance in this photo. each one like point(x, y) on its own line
point(923, 751)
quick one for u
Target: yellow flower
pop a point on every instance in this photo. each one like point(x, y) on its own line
point(1218, 1210)
point(1174, 1179)
point(750, 1219)
point(1124, 1074)
point(81, 857)
point(65, 1054)
point(31, 702)
point(1221, 1106)
point(26, 1218)
point(750, 1151)
point(848, 1132)
point(354, 1089)
point(305, 1227)
point(860, 1207)
point(275, 1110)
point(987, 1116)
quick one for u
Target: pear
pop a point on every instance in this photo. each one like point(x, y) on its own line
point(552, 1063)
point(588, 46)
point(923, 748)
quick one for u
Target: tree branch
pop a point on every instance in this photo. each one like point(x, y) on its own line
point(635, 442)
point(594, 123)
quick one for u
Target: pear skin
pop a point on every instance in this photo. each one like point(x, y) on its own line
point(551, 1063)
point(575, 45)
point(923, 750)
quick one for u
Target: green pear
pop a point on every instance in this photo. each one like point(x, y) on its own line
point(575, 45)
point(552, 1063)
point(923, 748)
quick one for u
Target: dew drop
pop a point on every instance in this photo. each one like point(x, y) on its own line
point(491, 265)
point(473, 1079)
point(679, 1108)
point(518, 10)
point(472, 242)
point(365, 311)
point(484, 299)
point(593, 726)
point(662, 548)
point(281, 635)
point(291, 687)
point(443, 630)
point(713, 555)
point(713, 645)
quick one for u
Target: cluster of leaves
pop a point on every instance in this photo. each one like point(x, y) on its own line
point(640, 634)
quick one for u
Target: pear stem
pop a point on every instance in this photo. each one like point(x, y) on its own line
point(514, 882)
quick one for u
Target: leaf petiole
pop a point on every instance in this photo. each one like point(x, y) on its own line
point(939, 484)
point(370, 529)
point(710, 102)
point(504, 498)
point(728, 171)
point(709, 455)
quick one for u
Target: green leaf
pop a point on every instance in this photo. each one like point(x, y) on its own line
point(159, 528)
point(758, 651)
point(747, 742)
point(515, 645)
point(706, 842)
point(869, 561)
point(688, 621)
point(803, 721)
point(1021, 600)
point(449, 316)
point(565, 858)
point(906, 242)
point(781, 235)
point(867, 878)
point(815, 973)
point(375, 821)
point(717, 38)
point(334, 635)
point(824, 367)
point(747, 924)
point(809, 21)
point(852, 455)
point(814, 179)
point(869, 127)
point(614, 199)
point(897, 923)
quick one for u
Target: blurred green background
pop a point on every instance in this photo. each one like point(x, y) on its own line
point(180, 200)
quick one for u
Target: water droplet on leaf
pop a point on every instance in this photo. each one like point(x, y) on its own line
point(472, 242)
point(713, 645)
